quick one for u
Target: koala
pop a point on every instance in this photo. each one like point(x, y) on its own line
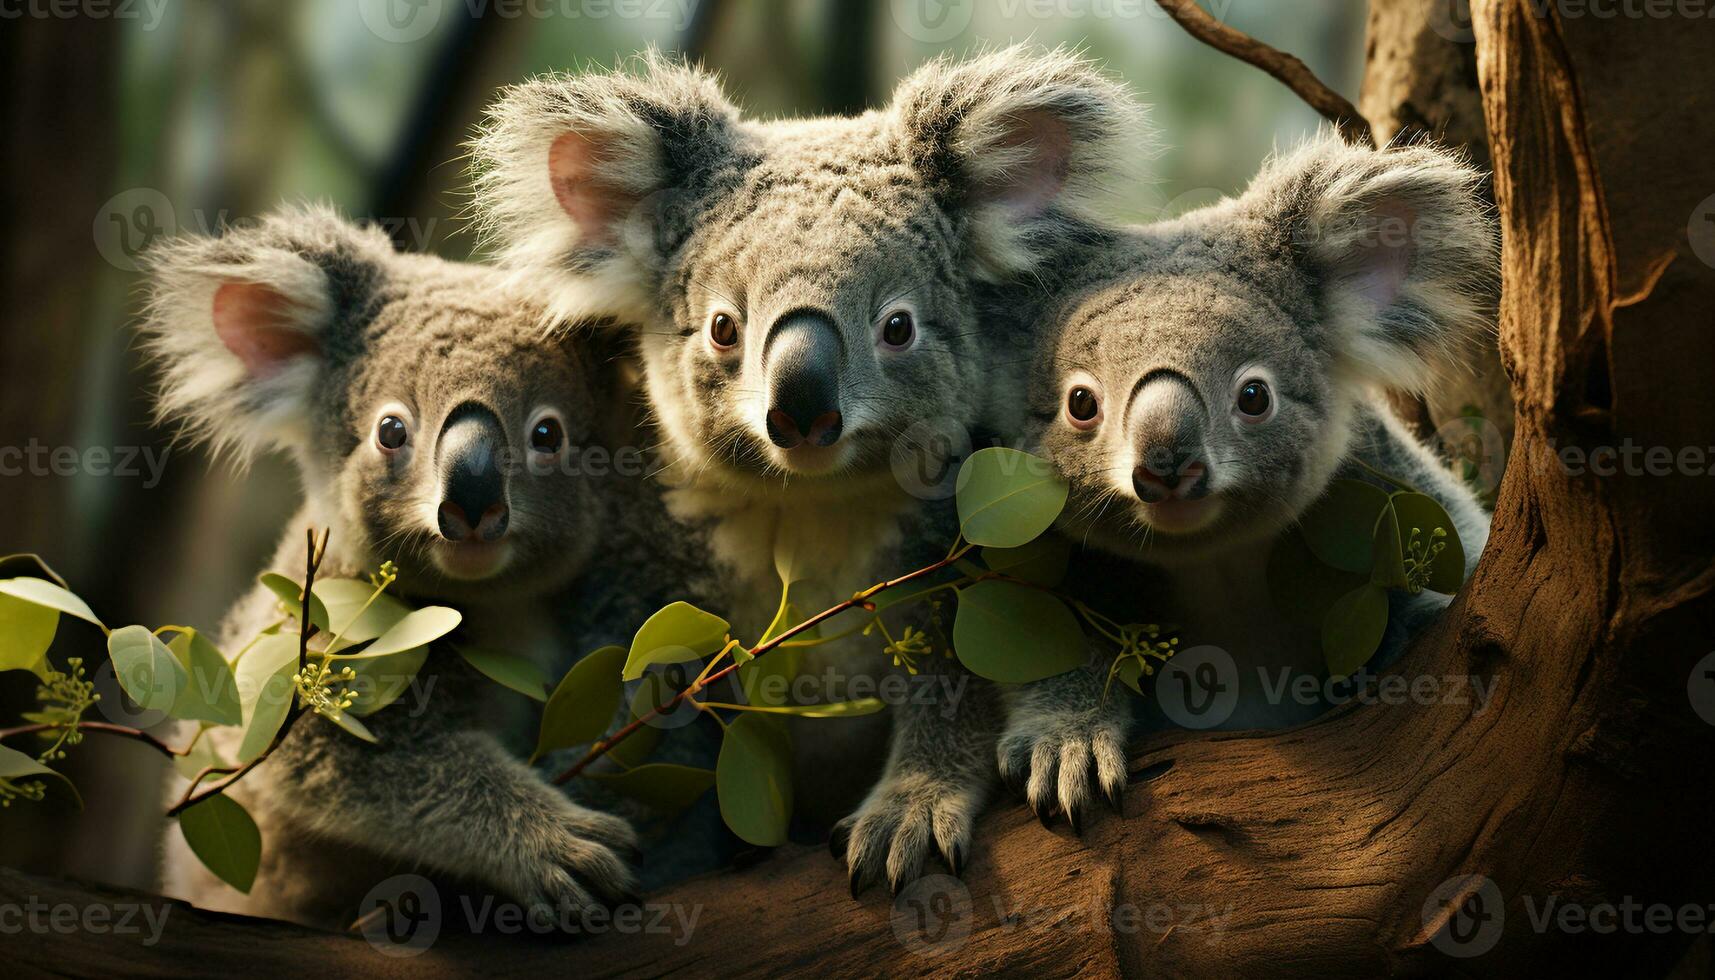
point(804, 292)
point(1203, 382)
point(430, 418)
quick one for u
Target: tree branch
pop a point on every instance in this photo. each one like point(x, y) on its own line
point(1288, 70)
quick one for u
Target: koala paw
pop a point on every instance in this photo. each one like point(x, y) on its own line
point(575, 862)
point(893, 831)
point(1048, 757)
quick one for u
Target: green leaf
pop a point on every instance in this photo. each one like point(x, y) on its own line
point(641, 743)
point(509, 670)
point(1387, 567)
point(583, 703)
point(753, 777)
point(1339, 527)
point(146, 669)
point(768, 680)
point(211, 693)
point(1302, 586)
point(1422, 512)
point(1130, 673)
point(419, 628)
point(202, 755)
point(1354, 629)
point(27, 564)
point(351, 725)
point(1015, 634)
point(225, 839)
point(26, 632)
point(1007, 497)
point(45, 593)
point(663, 785)
point(380, 681)
point(266, 691)
point(831, 709)
point(675, 634)
point(344, 598)
point(16, 765)
point(1043, 561)
point(292, 594)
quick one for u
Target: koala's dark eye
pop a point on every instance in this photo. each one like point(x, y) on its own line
point(1083, 408)
point(547, 435)
point(391, 433)
point(898, 330)
point(1254, 399)
point(723, 331)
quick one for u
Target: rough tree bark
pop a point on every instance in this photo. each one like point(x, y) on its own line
point(1382, 836)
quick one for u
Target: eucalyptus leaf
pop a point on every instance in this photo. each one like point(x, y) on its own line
point(16, 765)
point(1015, 634)
point(665, 786)
point(211, 693)
point(1339, 526)
point(1387, 561)
point(266, 691)
point(146, 669)
point(1354, 628)
point(1006, 497)
point(29, 564)
point(831, 709)
point(26, 632)
point(350, 724)
point(1130, 673)
point(675, 634)
point(380, 681)
point(1302, 586)
point(1447, 572)
point(753, 777)
point(353, 616)
point(51, 595)
point(508, 670)
point(1042, 561)
point(222, 835)
point(583, 703)
point(419, 628)
point(767, 681)
point(291, 594)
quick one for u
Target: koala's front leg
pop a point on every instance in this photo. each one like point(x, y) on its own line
point(1057, 730)
point(454, 799)
point(937, 778)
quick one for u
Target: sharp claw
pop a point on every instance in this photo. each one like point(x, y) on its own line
point(856, 882)
point(1116, 799)
point(1045, 813)
point(895, 884)
point(957, 864)
point(1075, 816)
point(837, 841)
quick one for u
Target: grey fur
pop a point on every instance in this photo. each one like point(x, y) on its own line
point(418, 336)
point(643, 192)
point(1290, 283)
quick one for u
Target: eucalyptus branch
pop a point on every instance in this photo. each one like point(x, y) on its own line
point(123, 731)
point(1285, 68)
point(860, 600)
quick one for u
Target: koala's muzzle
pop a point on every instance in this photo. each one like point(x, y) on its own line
point(1166, 424)
point(473, 487)
point(802, 359)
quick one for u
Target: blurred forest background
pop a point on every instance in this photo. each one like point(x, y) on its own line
point(127, 121)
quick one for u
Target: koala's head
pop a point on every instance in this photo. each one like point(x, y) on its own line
point(803, 286)
point(433, 419)
point(1202, 391)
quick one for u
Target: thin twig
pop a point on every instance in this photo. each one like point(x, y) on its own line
point(861, 599)
point(1291, 72)
point(124, 731)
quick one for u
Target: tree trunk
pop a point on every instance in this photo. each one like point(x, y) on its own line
point(1404, 837)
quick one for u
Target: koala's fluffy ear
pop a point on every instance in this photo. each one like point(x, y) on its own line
point(568, 168)
point(242, 325)
point(1020, 141)
point(1400, 243)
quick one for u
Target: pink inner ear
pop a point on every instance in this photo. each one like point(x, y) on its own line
point(1031, 186)
point(1385, 260)
point(256, 323)
point(574, 170)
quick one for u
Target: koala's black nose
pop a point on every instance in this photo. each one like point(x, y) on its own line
point(803, 357)
point(1167, 471)
point(473, 487)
